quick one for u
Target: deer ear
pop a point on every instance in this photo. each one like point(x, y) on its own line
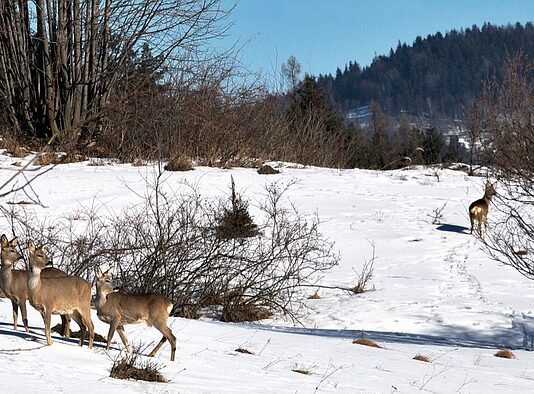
point(44, 248)
point(31, 247)
point(98, 271)
point(14, 241)
point(110, 271)
point(4, 241)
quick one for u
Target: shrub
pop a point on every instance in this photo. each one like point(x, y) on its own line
point(171, 244)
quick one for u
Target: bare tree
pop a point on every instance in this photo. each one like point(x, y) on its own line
point(60, 61)
point(474, 122)
point(291, 71)
point(510, 116)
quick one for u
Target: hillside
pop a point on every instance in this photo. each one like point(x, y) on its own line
point(435, 75)
point(434, 292)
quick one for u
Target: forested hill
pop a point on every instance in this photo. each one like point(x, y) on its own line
point(435, 75)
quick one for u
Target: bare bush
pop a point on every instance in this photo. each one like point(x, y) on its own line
point(170, 244)
point(437, 214)
point(366, 274)
point(509, 108)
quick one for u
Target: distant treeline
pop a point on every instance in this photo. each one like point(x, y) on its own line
point(436, 75)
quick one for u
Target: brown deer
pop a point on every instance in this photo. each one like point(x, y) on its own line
point(478, 210)
point(14, 283)
point(67, 295)
point(118, 309)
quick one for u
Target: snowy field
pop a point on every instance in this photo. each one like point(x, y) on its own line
point(434, 293)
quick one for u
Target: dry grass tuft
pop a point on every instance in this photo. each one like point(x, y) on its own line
point(243, 350)
point(267, 170)
point(139, 162)
point(505, 353)
point(302, 371)
point(126, 368)
point(14, 147)
point(420, 357)
point(179, 163)
point(50, 158)
point(315, 296)
point(20, 202)
point(366, 342)
point(239, 312)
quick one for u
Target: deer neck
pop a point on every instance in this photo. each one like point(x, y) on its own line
point(488, 197)
point(34, 283)
point(5, 274)
point(101, 298)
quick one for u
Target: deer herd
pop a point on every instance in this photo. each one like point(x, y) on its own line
point(52, 291)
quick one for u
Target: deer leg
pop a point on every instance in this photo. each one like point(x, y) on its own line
point(47, 316)
point(112, 327)
point(24, 314)
point(78, 319)
point(167, 335)
point(15, 314)
point(65, 326)
point(472, 224)
point(124, 338)
point(86, 317)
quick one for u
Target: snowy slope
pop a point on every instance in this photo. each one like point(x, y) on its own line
point(435, 293)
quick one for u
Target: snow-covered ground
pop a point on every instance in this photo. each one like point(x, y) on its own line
point(434, 293)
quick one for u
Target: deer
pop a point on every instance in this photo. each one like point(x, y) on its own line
point(118, 309)
point(67, 295)
point(478, 210)
point(14, 283)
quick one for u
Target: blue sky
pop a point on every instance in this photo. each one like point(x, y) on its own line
point(326, 34)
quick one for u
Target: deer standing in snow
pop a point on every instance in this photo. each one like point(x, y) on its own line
point(478, 210)
point(14, 283)
point(118, 309)
point(67, 295)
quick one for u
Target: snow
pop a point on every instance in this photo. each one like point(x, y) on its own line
point(434, 292)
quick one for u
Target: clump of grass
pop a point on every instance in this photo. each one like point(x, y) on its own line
point(267, 170)
point(420, 357)
point(131, 367)
point(366, 342)
point(315, 296)
point(505, 353)
point(243, 350)
point(13, 146)
point(241, 312)
point(179, 163)
point(302, 371)
point(52, 158)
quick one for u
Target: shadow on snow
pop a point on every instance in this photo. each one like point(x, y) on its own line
point(453, 228)
point(453, 336)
